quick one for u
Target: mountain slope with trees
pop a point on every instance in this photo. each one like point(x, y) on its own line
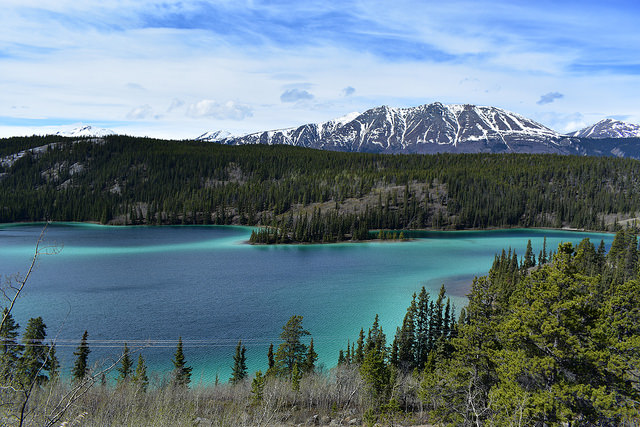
point(306, 195)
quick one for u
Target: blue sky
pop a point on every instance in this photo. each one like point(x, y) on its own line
point(179, 68)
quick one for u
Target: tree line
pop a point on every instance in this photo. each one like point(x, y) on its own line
point(547, 341)
point(306, 195)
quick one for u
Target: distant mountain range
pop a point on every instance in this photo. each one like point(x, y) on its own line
point(438, 128)
point(435, 128)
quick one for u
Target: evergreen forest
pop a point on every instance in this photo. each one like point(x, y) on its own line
point(301, 195)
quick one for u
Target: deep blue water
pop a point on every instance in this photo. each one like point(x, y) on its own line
point(149, 285)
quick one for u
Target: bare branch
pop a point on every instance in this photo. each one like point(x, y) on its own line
point(21, 282)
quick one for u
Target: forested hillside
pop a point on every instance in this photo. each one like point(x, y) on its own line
point(304, 194)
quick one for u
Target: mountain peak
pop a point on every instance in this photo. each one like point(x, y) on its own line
point(214, 136)
point(427, 128)
point(86, 130)
point(609, 128)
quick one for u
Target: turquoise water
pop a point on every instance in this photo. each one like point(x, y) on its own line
point(149, 285)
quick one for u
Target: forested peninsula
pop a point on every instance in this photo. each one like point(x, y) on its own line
point(304, 195)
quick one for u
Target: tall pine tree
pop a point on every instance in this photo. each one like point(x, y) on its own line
point(239, 369)
point(34, 358)
point(126, 365)
point(9, 348)
point(181, 372)
point(80, 368)
point(291, 351)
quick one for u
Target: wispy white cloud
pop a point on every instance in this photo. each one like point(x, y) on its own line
point(227, 110)
point(175, 104)
point(141, 112)
point(94, 60)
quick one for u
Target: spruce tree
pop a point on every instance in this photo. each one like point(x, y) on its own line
point(257, 387)
point(140, 378)
point(405, 340)
point(374, 369)
point(376, 338)
point(271, 360)
point(296, 375)
point(358, 354)
point(80, 368)
point(309, 364)
point(529, 258)
point(9, 348)
point(126, 365)
point(447, 319)
point(422, 320)
point(181, 372)
point(34, 358)
point(53, 365)
point(291, 351)
point(239, 369)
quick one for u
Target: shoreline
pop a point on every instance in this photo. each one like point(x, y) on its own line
point(407, 238)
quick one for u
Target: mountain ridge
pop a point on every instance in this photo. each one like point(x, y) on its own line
point(441, 128)
point(608, 128)
point(434, 127)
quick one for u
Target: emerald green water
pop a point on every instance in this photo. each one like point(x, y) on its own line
point(149, 285)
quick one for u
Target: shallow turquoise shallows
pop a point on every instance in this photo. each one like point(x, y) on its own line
point(147, 286)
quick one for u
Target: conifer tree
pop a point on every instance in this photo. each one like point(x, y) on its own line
point(376, 340)
point(9, 348)
point(423, 316)
point(239, 368)
point(271, 360)
point(374, 369)
point(140, 378)
point(126, 365)
point(296, 375)
point(529, 258)
point(257, 387)
point(447, 319)
point(310, 359)
point(393, 357)
point(358, 354)
point(80, 368)
point(405, 340)
point(181, 372)
point(34, 358)
point(542, 259)
point(53, 365)
point(291, 351)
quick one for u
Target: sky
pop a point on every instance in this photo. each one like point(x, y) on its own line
point(179, 68)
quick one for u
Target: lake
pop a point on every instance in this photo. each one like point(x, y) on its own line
point(149, 285)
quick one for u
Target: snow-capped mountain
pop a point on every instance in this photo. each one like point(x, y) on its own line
point(86, 131)
point(427, 128)
point(609, 128)
point(214, 136)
